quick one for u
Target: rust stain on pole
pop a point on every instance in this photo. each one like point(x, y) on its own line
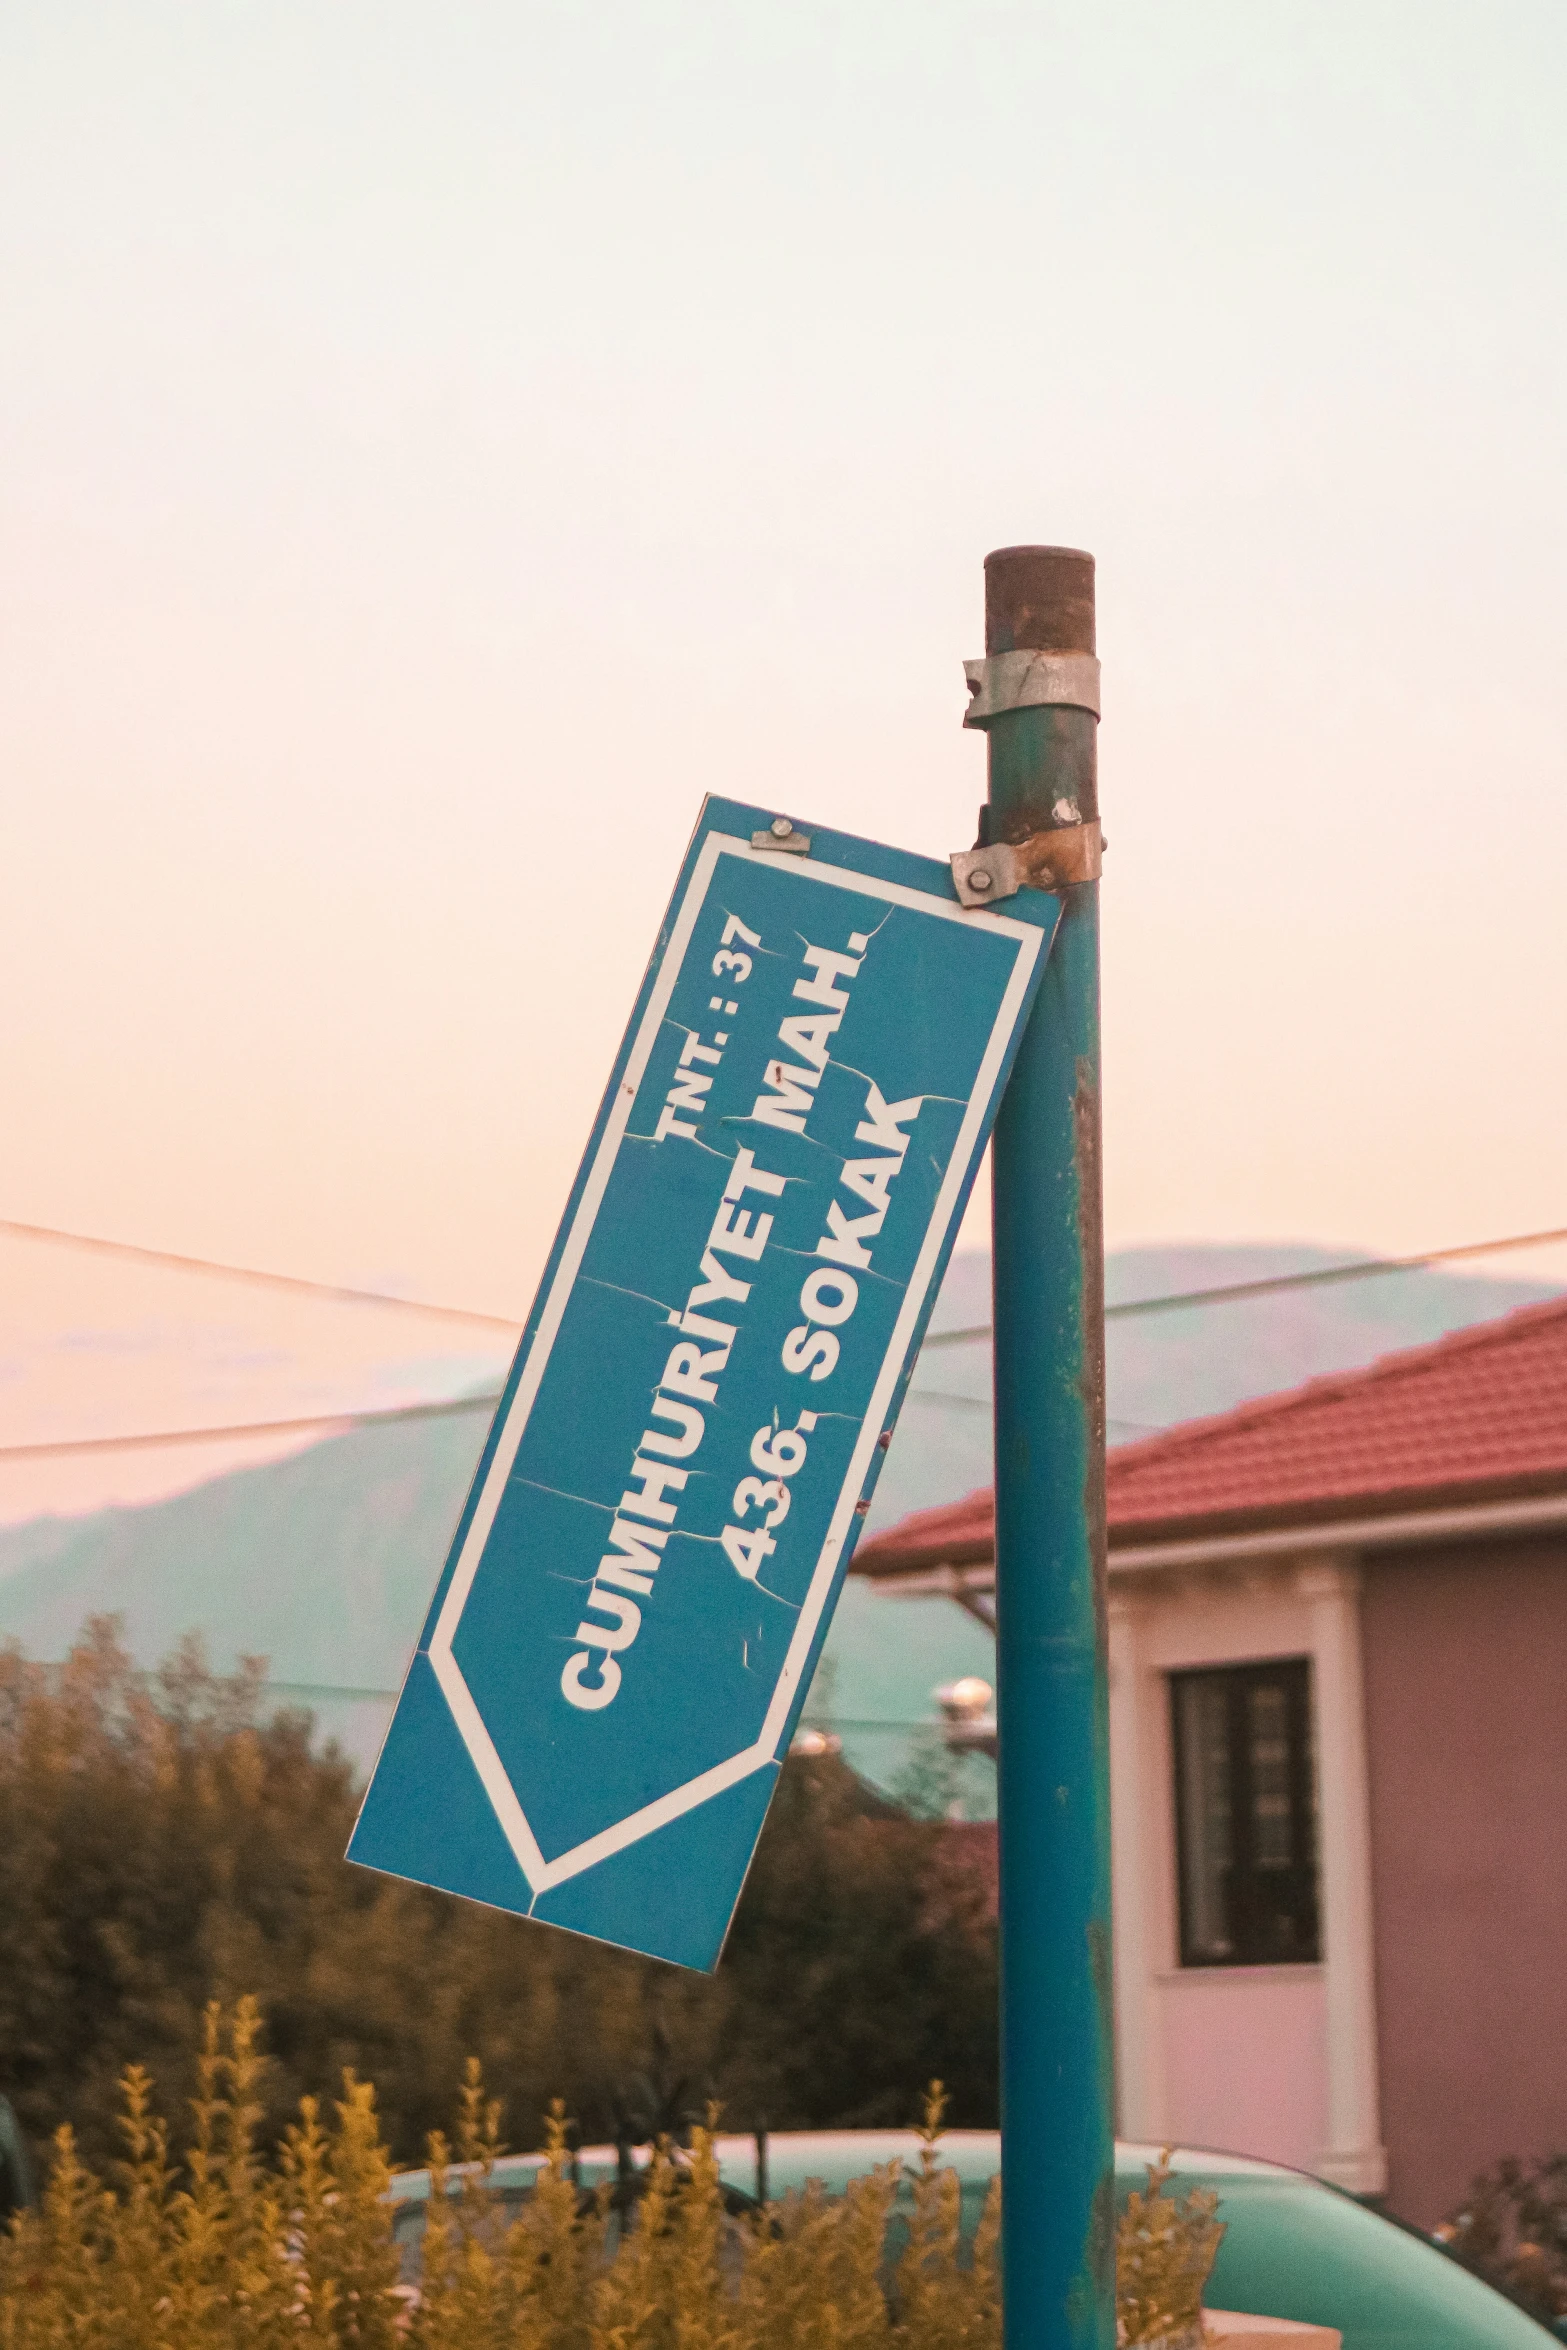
point(1087, 1134)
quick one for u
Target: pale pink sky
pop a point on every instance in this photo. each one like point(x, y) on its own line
point(435, 447)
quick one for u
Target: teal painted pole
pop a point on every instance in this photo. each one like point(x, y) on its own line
point(1057, 2057)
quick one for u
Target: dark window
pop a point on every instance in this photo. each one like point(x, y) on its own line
point(1245, 1807)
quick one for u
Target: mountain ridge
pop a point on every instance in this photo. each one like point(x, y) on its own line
point(324, 1562)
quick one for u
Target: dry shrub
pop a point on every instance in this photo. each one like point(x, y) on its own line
point(225, 2252)
point(1164, 2253)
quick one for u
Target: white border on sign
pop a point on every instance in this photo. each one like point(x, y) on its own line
point(540, 1873)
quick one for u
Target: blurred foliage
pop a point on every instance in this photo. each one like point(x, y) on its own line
point(162, 1845)
point(1512, 2230)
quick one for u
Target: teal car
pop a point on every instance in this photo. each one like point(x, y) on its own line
point(1293, 2247)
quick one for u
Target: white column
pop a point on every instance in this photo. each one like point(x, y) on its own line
point(1138, 2090)
point(1354, 2156)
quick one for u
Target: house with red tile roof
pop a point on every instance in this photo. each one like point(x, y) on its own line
point(1338, 1654)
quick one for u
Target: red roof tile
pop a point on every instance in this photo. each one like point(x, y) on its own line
point(1481, 1415)
point(959, 1534)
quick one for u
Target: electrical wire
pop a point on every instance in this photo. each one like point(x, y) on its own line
point(1358, 1269)
point(323, 1689)
point(301, 1427)
point(354, 1693)
point(171, 1259)
point(350, 1420)
point(332, 1689)
point(982, 1403)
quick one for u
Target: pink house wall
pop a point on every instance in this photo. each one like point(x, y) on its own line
point(1228, 2057)
point(1244, 2059)
point(1465, 1656)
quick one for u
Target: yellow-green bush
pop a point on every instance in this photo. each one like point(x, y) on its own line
point(227, 2253)
point(1163, 2253)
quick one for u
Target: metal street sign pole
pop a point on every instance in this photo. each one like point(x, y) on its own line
point(1054, 1770)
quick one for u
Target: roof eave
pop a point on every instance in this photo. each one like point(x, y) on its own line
point(1538, 1513)
point(1317, 1515)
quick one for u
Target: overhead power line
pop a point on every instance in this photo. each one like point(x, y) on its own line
point(356, 1692)
point(242, 1428)
point(237, 1430)
point(982, 1403)
point(1358, 1269)
point(172, 1259)
point(329, 1690)
point(324, 1689)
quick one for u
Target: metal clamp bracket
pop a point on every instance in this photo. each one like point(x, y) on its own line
point(1051, 860)
point(1021, 681)
point(781, 835)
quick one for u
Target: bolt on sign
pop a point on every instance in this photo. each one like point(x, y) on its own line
point(645, 1568)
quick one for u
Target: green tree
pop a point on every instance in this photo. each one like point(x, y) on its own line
point(856, 1965)
point(162, 1845)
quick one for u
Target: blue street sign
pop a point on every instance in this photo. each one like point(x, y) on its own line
point(646, 1566)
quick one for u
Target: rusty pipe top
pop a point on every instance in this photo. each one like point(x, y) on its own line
point(1039, 600)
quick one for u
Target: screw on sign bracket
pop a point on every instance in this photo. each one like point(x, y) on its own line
point(780, 834)
point(1053, 860)
point(1023, 678)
